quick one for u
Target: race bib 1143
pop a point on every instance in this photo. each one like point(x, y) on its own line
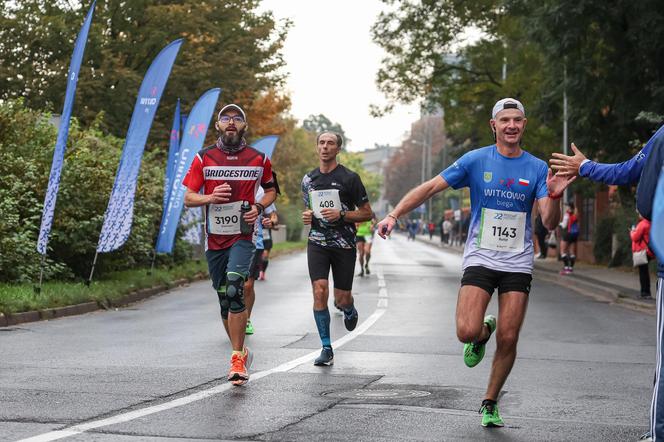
point(502, 230)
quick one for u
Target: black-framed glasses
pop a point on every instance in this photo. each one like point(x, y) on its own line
point(237, 119)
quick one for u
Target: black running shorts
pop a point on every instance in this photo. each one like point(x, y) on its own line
point(342, 261)
point(570, 237)
point(488, 280)
point(255, 269)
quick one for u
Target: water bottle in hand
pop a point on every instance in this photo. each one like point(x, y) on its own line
point(245, 227)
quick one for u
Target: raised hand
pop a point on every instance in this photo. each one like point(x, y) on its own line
point(566, 165)
point(556, 184)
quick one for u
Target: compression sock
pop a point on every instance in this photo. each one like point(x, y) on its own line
point(572, 260)
point(565, 260)
point(348, 310)
point(322, 318)
point(265, 263)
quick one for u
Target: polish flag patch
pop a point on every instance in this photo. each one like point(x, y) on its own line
point(523, 182)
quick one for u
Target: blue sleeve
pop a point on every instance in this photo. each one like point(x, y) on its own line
point(627, 172)
point(542, 191)
point(457, 174)
point(645, 193)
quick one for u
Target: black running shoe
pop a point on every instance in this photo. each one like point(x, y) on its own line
point(366, 269)
point(326, 357)
point(350, 320)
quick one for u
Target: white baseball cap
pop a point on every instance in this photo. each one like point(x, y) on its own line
point(507, 103)
point(231, 106)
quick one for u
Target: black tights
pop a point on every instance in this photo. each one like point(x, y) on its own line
point(644, 279)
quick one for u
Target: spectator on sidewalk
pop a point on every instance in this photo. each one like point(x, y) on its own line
point(412, 229)
point(640, 235)
point(540, 233)
point(464, 229)
point(432, 228)
point(570, 233)
point(446, 230)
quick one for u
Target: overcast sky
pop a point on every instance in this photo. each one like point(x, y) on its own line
point(332, 64)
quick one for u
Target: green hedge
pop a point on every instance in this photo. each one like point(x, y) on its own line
point(27, 141)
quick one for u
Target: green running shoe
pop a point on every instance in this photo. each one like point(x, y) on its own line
point(490, 415)
point(473, 352)
point(250, 328)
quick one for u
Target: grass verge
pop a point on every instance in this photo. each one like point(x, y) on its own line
point(17, 298)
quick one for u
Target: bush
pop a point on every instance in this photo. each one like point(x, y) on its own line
point(624, 218)
point(291, 215)
point(602, 237)
point(27, 141)
point(606, 228)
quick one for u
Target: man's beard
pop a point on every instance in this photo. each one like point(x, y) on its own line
point(233, 139)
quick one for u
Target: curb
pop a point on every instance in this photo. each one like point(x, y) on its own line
point(87, 307)
point(597, 290)
point(105, 304)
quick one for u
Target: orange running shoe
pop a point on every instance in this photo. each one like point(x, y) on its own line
point(238, 373)
point(248, 358)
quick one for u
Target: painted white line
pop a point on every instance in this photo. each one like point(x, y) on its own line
point(131, 415)
point(382, 303)
point(382, 293)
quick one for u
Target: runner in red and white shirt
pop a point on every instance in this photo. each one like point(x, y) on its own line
point(229, 174)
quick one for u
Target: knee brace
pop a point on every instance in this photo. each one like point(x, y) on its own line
point(223, 302)
point(235, 292)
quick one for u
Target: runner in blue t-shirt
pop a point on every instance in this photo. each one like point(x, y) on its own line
point(505, 181)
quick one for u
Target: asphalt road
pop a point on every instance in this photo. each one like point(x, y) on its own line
point(155, 371)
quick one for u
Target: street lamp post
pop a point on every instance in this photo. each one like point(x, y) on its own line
point(565, 197)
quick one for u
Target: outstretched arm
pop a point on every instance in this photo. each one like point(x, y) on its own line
point(627, 172)
point(414, 198)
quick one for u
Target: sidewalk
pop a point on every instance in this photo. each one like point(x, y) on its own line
point(613, 285)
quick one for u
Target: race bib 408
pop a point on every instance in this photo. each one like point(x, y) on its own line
point(324, 199)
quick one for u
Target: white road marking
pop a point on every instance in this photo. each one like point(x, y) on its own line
point(131, 415)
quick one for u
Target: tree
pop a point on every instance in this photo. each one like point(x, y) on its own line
point(227, 44)
point(371, 181)
point(320, 123)
point(615, 68)
point(612, 104)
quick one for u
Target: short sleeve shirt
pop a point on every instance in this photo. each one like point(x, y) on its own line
point(352, 194)
point(502, 193)
point(259, 231)
point(244, 171)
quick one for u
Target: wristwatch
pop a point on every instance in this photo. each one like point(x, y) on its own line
point(342, 214)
